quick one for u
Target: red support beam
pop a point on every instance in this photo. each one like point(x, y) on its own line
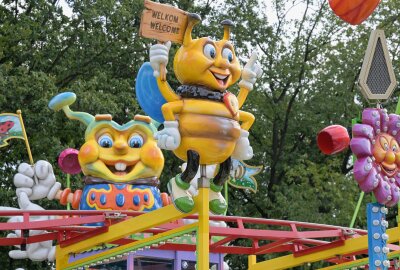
point(29, 240)
point(319, 248)
point(41, 237)
point(83, 236)
point(223, 241)
point(273, 234)
point(264, 248)
point(238, 220)
point(12, 241)
point(46, 224)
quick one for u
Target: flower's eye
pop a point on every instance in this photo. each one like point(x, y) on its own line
point(227, 54)
point(135, 141)
point(105, 141)
point(384, 143)
point(209, 51)
point(394, 148)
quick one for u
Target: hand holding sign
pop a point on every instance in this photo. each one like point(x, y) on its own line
point(163, 23)
point(159, 57)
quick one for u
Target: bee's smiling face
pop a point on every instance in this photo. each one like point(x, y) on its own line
point(208, 63)
point(121, 155)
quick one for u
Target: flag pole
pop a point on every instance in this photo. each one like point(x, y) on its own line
point(28, 148)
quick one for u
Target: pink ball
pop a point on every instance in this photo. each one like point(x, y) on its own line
point(68, 161)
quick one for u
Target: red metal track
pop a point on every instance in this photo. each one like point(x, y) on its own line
point(243, 236)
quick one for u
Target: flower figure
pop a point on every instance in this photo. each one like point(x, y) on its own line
point(375, 143)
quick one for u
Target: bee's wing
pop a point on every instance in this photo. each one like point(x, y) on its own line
point(148, 94)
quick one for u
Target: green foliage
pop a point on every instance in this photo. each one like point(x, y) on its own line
point(311, 64)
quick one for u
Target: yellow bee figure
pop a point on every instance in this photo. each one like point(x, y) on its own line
point(121, 163)
point(203, 121)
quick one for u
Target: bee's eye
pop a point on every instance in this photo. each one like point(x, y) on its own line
point(105, 141)
point(209, 51)
point(135, 141)
point(227, 54)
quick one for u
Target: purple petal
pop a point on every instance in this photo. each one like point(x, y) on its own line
point(361, 147)
point(394, 126)
point(382, 192)
point(370, 182)
point(384, 121)
point(395, 195)
point(372, 117)
point(362, 168)
point(361, 130)
point(397, 178)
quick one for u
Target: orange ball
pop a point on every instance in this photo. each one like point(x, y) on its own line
point(353, 11)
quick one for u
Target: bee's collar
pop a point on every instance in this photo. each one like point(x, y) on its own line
point(200, 92)
point(151, 181)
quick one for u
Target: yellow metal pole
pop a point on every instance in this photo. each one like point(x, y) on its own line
point(203, 233)
point(28, 148)
point(252, 260)
point(61, 258)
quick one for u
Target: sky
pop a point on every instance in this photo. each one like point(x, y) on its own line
point(295, 11)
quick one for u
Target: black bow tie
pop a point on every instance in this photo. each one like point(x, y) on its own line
point(200, 92)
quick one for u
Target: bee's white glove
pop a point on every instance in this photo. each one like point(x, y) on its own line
point(168, 138)
point(250, 72)
point(243, 150)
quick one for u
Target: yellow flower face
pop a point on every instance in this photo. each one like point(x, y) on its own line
point(120, 154)
point(387, 154)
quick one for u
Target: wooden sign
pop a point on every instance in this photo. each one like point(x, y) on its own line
point(163, 22)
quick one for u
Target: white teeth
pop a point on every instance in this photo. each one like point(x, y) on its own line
point(120, 166)
point(221, 77)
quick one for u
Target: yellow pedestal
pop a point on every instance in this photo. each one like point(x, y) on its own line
point(203, 233)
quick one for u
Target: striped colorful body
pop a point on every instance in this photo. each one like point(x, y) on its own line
point(120, 197)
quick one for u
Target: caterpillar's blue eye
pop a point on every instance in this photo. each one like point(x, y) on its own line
point(209, 51)
point(227, 54)
point(135, 141)
point(105, 141)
